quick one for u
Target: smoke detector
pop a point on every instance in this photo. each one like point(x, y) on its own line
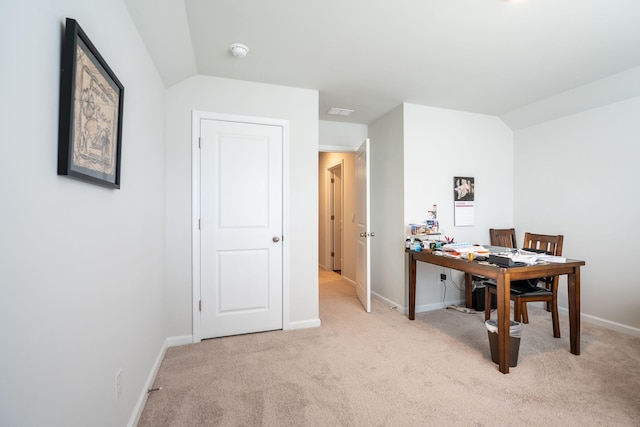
point(239, 50)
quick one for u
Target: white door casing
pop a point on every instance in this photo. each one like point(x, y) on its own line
point(239, 248)
point(364, 234)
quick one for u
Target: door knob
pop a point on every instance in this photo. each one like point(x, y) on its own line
point(276, 239)
point(363, 234)
point(372, 234)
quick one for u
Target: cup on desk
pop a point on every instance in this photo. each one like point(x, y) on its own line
point(472, 256)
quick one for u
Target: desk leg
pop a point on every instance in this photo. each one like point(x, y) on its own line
point(573, 286)
point(468, 288)
point(412, 286)
point(504, 307)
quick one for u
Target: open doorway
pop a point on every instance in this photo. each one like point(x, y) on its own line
point(336, 215)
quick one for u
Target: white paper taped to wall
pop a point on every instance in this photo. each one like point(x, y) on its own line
point(464, 213)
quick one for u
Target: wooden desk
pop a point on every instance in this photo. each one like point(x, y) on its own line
point(503, 278)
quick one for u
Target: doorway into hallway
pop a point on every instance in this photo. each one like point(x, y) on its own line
point(336, 214)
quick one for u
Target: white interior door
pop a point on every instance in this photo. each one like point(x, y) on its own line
point(241, 228)
point(335, 217)
point(337, 222)
point(363, 276)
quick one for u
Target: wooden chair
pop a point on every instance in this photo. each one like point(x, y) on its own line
point(505, 237)
point(522, 293)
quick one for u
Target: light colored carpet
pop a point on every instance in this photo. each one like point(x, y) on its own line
point(381, 369)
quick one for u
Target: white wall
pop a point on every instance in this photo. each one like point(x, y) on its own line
point(387, 207)
point(339, 136)
point(584, 170)
point(615, 88)
point(81, 266)
point(438, 145)
point(300, 108)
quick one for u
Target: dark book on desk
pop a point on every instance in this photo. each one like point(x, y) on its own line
point(535, 251)
point(504, 261)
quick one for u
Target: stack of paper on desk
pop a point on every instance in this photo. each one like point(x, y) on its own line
point(531, 258)
point(551, 258)
point(465, 248)
point(528, 258)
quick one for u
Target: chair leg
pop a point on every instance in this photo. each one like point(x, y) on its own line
point(525, 313)
point(487, 303)
point(554, 316)
point(549, 304)
point(520, 313)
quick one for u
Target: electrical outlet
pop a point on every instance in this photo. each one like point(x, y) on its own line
point(443, 277)
point(118, 383)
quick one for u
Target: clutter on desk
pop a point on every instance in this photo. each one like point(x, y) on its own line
point(522, 257)
point(430, 226)
point(503, 260)
point(427, 234)
point(465, 249)
point(428, 240)
point(418, 229)
point(417, 243)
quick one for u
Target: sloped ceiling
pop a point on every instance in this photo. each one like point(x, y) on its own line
point(506, 58)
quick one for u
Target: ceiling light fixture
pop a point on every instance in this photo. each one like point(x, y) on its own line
point(239, 50)
point(334, 111)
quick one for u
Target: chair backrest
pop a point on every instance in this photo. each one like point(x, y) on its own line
point(551, 244)
point(505, 237)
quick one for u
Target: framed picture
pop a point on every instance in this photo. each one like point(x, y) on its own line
point(463, 188)
point(91, 106)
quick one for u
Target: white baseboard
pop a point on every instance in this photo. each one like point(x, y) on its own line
point(144, 394)
point(386, 301)
point(180, 340)
point(604, 323)
point(304, 324)
point(561, 311)
point(419, 308)
point(598, 321)
point(436, 306)
point(349, 281)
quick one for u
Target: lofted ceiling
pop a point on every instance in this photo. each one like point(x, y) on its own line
point(497, 57)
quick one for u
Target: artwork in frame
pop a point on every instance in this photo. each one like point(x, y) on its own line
point(91, 106)
point(463, 188)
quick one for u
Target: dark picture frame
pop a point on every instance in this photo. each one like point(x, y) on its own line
point(464, 188)
point(91, 108)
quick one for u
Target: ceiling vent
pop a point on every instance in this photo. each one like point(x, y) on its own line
point(334, 111)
